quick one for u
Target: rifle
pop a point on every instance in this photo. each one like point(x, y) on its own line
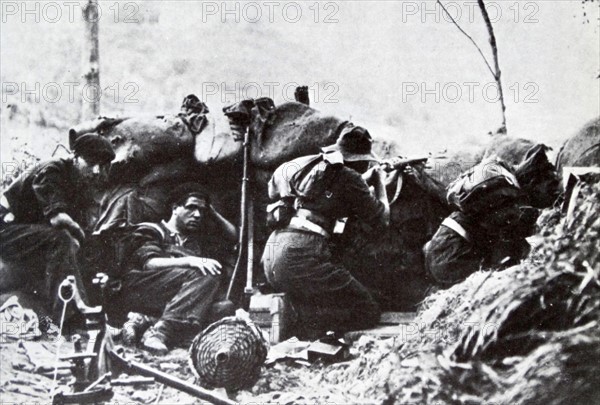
point(130, 366)
point(399, 163)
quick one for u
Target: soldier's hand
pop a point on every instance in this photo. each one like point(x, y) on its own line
point(374, 175)
point(205, 265)
point(368, 175)
point(415, 171)
point(64, 221)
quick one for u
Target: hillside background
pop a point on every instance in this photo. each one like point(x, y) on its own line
point(156, 52)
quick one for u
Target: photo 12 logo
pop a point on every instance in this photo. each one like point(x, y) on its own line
point(453, 92)
point(270, 11)
point(469, 11)
point(75, 11)
point(225, 93)
point(53, 92)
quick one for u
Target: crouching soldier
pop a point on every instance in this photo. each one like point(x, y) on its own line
point(46, 213)
point(170, 271)
point(298, 258)
point(487, 231)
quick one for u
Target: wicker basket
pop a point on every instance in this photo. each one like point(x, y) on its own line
point(229, 354)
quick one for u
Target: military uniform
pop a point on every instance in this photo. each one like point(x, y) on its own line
point(37, 256)
point(298, 258)
point(180, 296)
point(52, 206)
point(487, 232)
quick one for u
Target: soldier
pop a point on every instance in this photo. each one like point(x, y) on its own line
point(487, 231)
point(298, 258)
point(170, 271)
point(46, 215)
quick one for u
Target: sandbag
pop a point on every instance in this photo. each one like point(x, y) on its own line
point(583, 149)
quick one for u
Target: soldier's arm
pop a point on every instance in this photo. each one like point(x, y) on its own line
point(230, 231)
point(373, 210)
point(449, 258)
point(203, 264)
point(376, 180)
point(149, 254)
point(50, 187)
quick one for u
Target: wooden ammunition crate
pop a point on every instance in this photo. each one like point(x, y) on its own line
point(272, 313)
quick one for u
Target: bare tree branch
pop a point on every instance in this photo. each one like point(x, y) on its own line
point(495, 72)
point(468, 36)
point(498, 74)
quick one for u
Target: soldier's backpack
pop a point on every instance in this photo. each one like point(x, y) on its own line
point(485, 186)
point(314, 179)
point(296, 181)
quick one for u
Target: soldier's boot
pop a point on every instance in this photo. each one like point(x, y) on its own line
point(155, 339)
point(135, 327)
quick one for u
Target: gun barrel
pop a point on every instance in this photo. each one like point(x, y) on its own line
point(398, 163)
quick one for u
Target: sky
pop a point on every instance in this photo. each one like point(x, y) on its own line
point(399, 67)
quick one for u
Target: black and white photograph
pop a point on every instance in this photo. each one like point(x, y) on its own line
point(306, 202)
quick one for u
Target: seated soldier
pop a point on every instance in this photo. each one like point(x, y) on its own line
point(48, 211)
point(488, 231)
point(298, 258)
point(170, 273)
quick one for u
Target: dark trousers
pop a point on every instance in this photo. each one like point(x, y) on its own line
point(181, 297)
point(325, 294)
point(35, 259)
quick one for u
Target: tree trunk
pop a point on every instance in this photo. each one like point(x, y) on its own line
point(497, 72)
point(91, 91)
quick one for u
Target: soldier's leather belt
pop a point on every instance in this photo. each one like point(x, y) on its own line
point(315, 218)
point(306, 225)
